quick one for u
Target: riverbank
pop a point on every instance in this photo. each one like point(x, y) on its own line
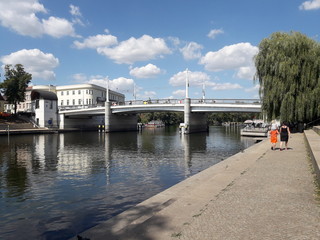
point(36, 131)
point(255, 194)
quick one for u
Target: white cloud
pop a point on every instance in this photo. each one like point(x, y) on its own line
point(21, 17)
point(191, 51)
point(58, 27)
point(238, 57)
point(148, 71)
point(36, 62)
point(225, 86)
point(147, 95)
point(179, 93)
point(214, 32)
point(80, 77)
point(174, 41)
point(253, 89)
point(123, 85)
point(133, 50)
point(310, 5)
point(75, 11)
point(97, 41)
point(195, 78)
point(246, 72)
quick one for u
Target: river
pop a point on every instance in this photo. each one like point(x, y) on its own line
point(55, 186)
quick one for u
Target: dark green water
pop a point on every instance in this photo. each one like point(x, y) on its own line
point(57, 185)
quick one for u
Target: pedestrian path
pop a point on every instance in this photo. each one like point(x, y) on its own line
point(255, 194)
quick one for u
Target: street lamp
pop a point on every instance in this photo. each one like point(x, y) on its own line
point(187, 84)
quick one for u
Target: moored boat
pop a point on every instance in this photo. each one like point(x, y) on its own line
point(255, 128)
point(154, 124)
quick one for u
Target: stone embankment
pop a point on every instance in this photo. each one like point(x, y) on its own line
point(256, 194)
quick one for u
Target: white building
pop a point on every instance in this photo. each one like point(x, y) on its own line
point(26, 107)
point(45, 108)
point(85, 95)
point(70, 96)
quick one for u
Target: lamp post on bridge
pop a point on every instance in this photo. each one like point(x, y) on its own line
point(187, 84)
point(107, 113)
point(187, 104)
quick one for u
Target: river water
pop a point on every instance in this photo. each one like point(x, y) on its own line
point(55, 186)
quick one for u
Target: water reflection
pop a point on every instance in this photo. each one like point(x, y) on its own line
point(54, 186)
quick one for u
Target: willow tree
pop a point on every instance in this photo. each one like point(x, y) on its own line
point(288, 70)
point(15, 84)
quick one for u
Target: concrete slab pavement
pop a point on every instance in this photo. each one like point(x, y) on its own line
point(255, 194)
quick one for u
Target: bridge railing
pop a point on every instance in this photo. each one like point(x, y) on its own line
point(193, 101)
point(75, 107)
point(227, 101)
point(164, 101)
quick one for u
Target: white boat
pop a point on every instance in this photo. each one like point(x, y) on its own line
point(255, 128)
point(154, 124)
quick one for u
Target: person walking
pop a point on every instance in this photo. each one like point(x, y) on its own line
point(284, 135)
point(273, 137)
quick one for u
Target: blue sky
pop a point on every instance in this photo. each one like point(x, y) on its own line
point(147, 45)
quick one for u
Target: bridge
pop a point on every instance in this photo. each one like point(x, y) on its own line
point(123, 117)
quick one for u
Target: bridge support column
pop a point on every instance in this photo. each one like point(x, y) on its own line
point(187, 111)
point(107, 115)
point(193, 122)
point(119, 122)
point(61, 122)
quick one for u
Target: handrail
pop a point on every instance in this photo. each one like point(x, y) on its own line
point(309, 123)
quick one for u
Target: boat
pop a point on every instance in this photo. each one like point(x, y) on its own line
point(255, 128)
point(154, 124)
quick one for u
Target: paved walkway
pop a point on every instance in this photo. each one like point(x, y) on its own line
point(256, 194)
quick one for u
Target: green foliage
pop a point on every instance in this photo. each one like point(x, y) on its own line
point(173, 118)
point(169, 118)
point(288, 70)
point(15, 84)
point(218, 118)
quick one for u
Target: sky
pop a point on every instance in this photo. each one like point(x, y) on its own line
point(148, 48)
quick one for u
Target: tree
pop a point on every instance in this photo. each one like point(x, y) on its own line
point(15, 84)
point(288, 70)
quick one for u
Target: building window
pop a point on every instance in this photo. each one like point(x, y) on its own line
point(51, 104)
point(37, 103)
point(73, 92)
point(73, 102)
point(87, 101)
point(79, 91)
point(61, 102)
point(87, 91)
point(61, 93)
point(67, 92)
point(68, 102)
point(79, 101)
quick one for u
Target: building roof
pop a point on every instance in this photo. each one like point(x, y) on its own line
point(41, 94)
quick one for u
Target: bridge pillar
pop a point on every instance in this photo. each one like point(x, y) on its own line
point(193, 122)
point(107, 115)
point(119, 122)
point(187, 111)
point(61, 122)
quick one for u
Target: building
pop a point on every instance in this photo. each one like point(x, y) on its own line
point(69, 97)
point(26, 106)
point(85, 95)
point(45, 108)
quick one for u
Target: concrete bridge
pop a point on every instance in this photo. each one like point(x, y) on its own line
point(123, 117)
